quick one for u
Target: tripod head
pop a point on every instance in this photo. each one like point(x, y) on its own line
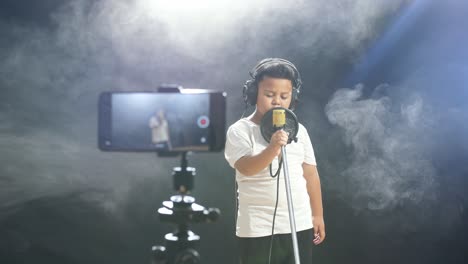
point(182, 210)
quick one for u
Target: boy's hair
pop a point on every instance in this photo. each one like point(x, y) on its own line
point(276, 68)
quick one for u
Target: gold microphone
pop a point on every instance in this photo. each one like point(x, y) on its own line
point(279, 118)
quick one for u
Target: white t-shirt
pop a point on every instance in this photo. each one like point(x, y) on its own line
point(257, 193)
point(159, 130)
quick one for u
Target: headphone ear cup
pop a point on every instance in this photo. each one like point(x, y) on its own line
point(250, 92)
point(294, 98)
point(253, 93)
point(245, 92)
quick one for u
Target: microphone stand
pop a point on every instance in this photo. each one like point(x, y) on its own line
point(292, 219)
point(278, 115)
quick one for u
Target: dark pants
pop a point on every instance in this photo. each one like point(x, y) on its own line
point(256, 250)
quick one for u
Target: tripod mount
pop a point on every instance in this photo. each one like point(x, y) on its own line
point(181, 210)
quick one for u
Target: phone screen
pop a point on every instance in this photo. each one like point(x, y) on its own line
point(174, 122)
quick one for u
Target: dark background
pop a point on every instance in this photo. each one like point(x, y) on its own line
point(384, 100)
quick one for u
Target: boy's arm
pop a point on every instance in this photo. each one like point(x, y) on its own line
point(251, 165)
point(315, 193)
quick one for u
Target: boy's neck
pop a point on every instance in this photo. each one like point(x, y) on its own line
point(256, 118)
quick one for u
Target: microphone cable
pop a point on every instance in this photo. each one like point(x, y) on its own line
point(246, 106)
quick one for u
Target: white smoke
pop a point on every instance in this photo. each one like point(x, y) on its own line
point(51, 75)
point(391, 161)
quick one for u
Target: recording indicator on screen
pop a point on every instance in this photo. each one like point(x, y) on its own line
point(203, 121)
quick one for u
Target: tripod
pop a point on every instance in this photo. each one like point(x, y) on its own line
point(181, 210)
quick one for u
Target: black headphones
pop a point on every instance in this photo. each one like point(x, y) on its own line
point(250, 90)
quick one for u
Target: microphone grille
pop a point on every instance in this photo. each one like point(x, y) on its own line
point(279, 118)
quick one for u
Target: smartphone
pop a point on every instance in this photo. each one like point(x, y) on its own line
point(189, 120)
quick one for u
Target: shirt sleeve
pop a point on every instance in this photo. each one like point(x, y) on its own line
point(238, 145)
point(309, 155)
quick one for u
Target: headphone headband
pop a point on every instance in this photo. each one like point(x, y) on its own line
point(297, 76)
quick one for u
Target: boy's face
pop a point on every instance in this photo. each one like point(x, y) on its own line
point(273, 92)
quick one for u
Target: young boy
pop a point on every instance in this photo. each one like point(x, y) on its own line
point(262, 199)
